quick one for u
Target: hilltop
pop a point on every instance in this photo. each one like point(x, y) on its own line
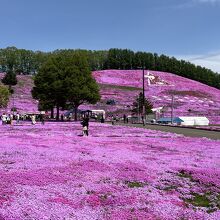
point(122, 86)
point(22, 99)
point(190, 97)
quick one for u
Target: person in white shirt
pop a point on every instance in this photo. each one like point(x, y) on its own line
point(33, 120)
point(4, 119)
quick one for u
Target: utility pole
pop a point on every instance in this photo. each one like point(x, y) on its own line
point(143, 99)
point(138, 109)
point(13, 104)
point(172, 101)
point(143, 92)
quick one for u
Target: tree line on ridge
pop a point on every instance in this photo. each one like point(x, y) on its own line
point(22, 61)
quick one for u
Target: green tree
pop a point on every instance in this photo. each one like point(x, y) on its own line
point(28, 62)
point(65, 79)
point(4, 96)
point(46, 105)
point(10, 79)
point(49, 89)
point(81, 87)
point(9, 58)
point(138, 105)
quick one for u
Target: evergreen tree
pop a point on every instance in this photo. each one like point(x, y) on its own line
point(49, 89)
point(4, 96)
point(138, 105)
point(29, 62)
point(81, 87)
point(65, 79)
point(10, 79)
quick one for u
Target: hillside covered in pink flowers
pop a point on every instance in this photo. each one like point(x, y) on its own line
point(22, 99)
point(191, 98)
point(51, 172)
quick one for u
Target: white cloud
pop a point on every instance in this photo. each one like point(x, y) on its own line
point(192, 3)
point(207, 1)
point(210, 61)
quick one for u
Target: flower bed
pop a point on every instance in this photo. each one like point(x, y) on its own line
point(51, 172)
point(22, 99)
point(191, 98)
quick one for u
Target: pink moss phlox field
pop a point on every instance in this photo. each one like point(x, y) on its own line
point(51, 172)
point(190, 95)
point(22, 99)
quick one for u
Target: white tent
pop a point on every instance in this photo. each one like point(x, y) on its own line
point(194, 121)
point(102, 112)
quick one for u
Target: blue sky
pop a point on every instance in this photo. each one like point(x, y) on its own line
point(187, 29)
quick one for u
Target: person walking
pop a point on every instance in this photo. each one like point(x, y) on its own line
point(4, 119)
point(124, 116)
point(33, 120)
point(113, 120)
point(17, 118)
point(42, 119)
point(102, 119)
point(85, 125)
point(11, 119)
point(8, 119)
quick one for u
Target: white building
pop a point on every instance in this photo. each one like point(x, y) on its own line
point(194, 121)
point(186, 121)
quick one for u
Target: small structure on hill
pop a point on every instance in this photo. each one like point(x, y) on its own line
point(186, 121)
point(99, 113)
point(110, 102)
point(157, 111)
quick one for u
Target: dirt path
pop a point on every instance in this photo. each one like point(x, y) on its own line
point(191, 132)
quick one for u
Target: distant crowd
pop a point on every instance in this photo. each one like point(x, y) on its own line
point(116, 118)
point(11, 118)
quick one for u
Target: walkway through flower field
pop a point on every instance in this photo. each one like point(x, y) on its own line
point(51, 172)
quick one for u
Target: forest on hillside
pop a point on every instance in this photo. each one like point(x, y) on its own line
point(23, 61)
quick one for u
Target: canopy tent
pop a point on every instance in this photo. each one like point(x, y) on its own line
point(194, 121)
point(187, 121)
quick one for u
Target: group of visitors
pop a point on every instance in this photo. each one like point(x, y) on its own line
point(125, 118)
point(40, 118)
point(115, 118)
point(8, 118)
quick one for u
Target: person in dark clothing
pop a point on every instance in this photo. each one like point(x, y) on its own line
point(85, 125)
point(102, 119)
point(113, 120)
point(42, 120)
point(124, 116)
